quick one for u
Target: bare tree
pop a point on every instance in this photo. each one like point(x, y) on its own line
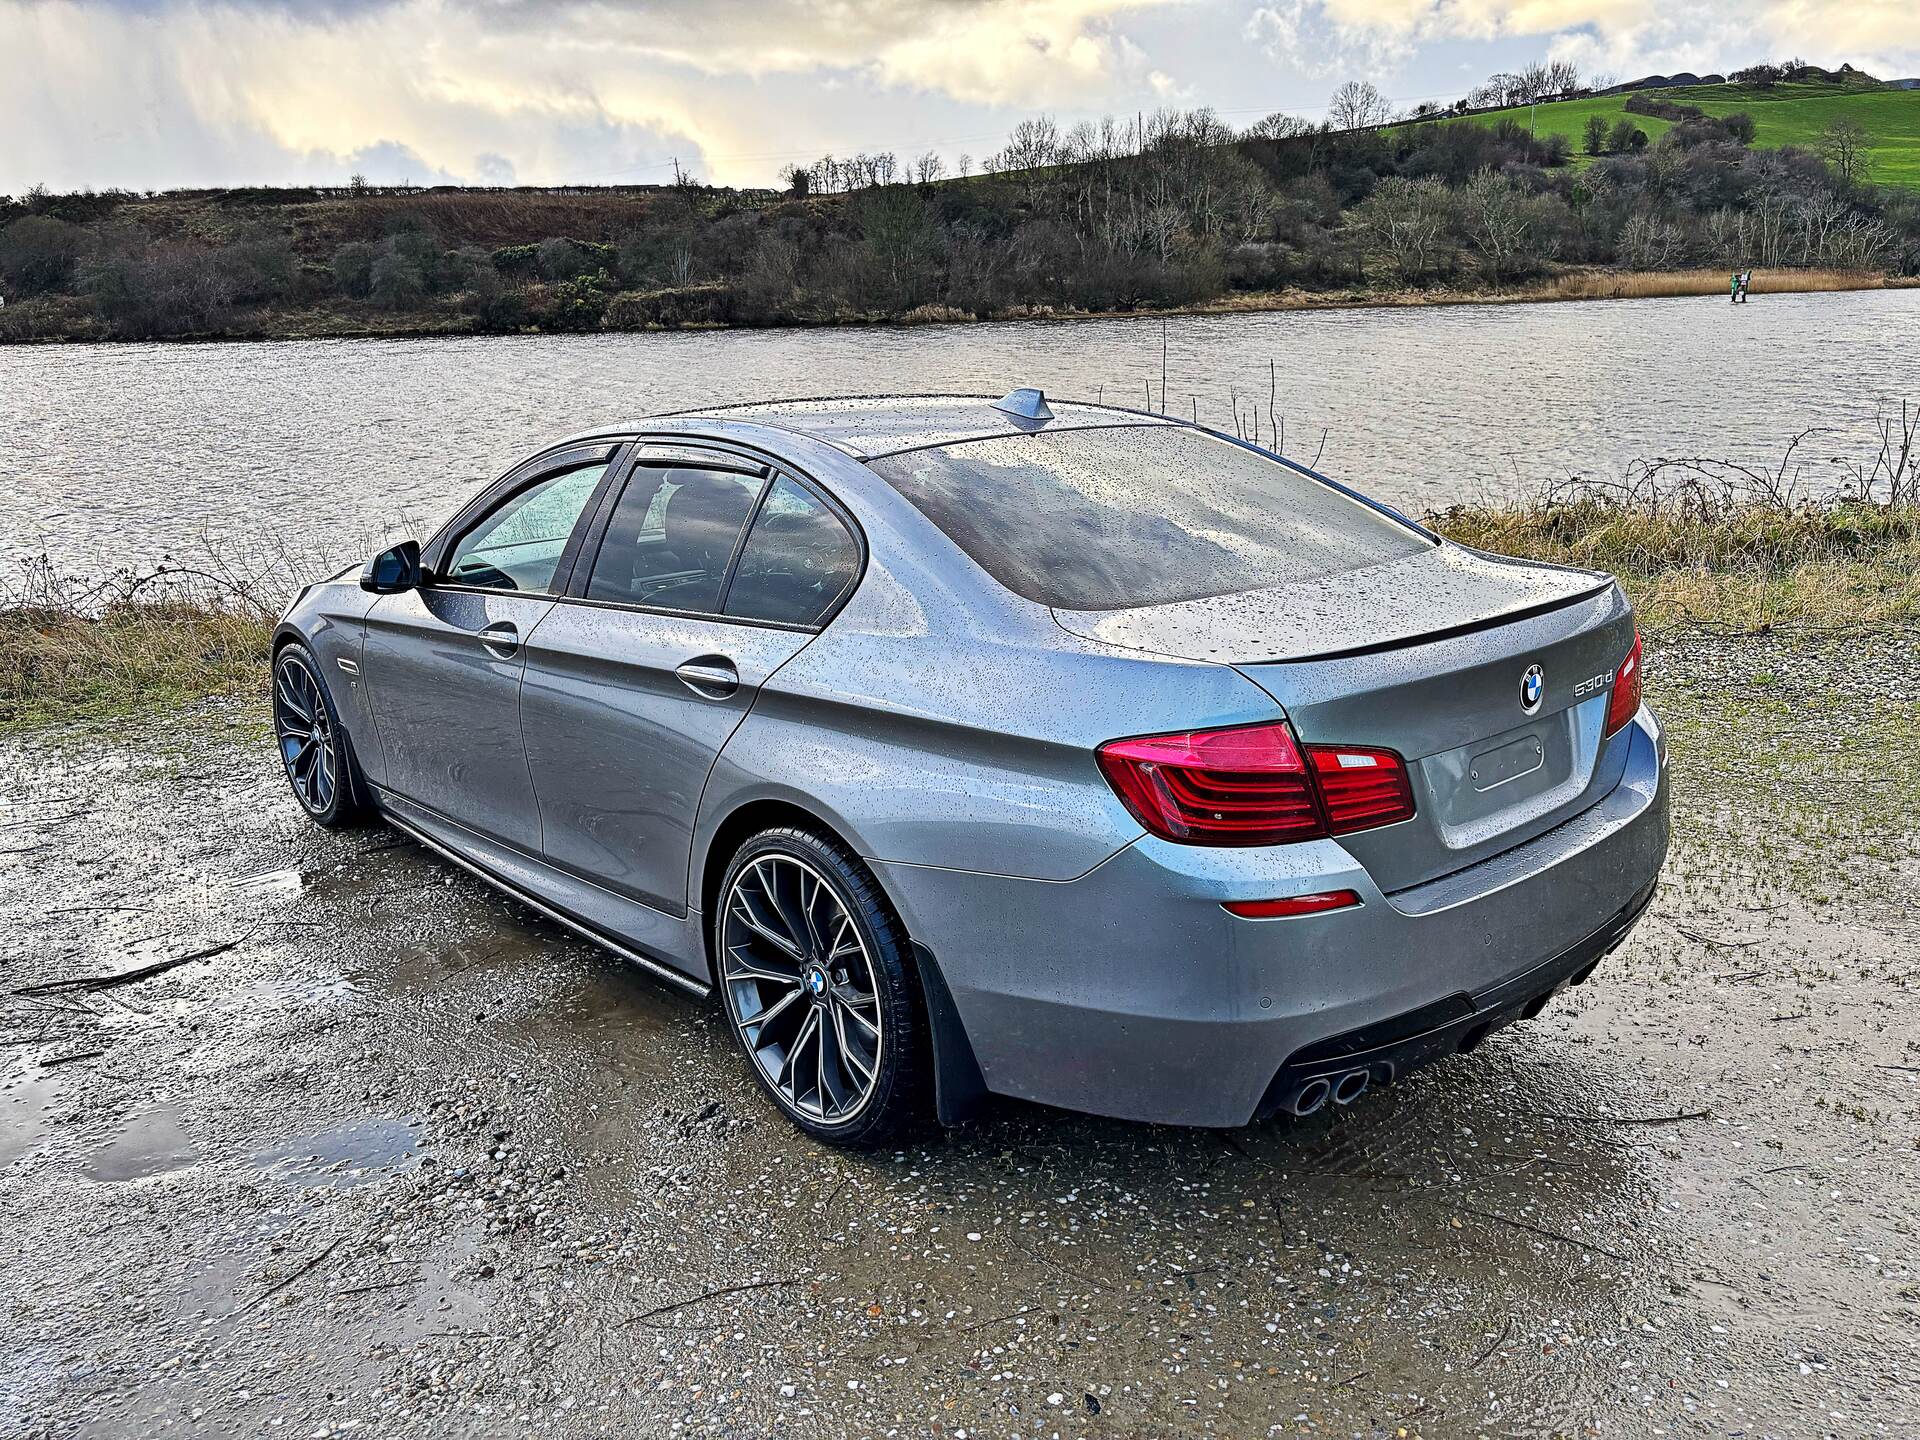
point(1843, 145)
point(1033, 145)
point(1562, 77)
point(1358, 105)
point(1496, 92)
point(1534, 83)
point(1406, 221)
point(928, 168)
point(1030, 151)
point(1650, 243)
point(1502, 224)
point(1280, 126)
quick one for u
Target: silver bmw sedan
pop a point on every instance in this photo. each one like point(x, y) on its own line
point(966, 746)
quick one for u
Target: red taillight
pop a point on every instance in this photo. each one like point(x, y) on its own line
point(1246, 786)
point(1292, 905)
point(1625, 703)
point(1253, 785)
point(1363, 787)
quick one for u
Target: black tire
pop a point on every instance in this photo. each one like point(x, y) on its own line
point(341, 801)
point(898, 1097)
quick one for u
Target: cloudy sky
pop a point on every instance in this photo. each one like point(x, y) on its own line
point(156, 93)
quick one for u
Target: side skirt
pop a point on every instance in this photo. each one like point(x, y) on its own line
point(656, 968)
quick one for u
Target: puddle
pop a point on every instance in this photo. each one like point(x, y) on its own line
point(289, 991)
point(345, 1155)
point(429, 965)
point(272, 882)
point(152, 1144)
point(23, 1115)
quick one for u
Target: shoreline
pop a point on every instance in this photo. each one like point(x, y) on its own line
point(1570, 286)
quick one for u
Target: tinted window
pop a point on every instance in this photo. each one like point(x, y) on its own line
point(518, 545)
point(672, 537)
point(1141, 515)
point(798, 560)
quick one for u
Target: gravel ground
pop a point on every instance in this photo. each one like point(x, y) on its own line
point(397, 1157)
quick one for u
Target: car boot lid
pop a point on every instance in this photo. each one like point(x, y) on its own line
point(1448, 589)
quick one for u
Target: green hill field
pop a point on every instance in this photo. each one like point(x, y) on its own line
point(1783, 114)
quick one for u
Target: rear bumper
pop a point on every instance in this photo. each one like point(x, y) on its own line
point(1454, 1024)
point(1130, 991)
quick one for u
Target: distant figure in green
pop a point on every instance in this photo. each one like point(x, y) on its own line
point(1738, 285)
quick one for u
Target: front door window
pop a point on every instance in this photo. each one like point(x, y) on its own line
point(519, 544)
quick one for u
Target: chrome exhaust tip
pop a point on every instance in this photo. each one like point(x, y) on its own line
point(1350, 1087)
point(1312, 1095)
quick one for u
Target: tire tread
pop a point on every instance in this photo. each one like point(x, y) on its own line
point(904, 1102)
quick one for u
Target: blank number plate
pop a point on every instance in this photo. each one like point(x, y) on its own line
point(1506, 762)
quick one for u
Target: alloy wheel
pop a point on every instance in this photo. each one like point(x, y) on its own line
point(305, 733)
point(801, 989)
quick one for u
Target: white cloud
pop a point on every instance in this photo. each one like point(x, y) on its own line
point(149, 93)
point(1314, 41)
point(1640, 35)
point(569, 91)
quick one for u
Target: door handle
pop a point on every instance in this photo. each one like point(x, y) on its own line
point(502, 638)
point(712, 677)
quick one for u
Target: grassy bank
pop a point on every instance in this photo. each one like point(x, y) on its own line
point(57, 667)
point(1649, 285)
point(132, 644)
point(1583, 284)
point(1783, 114)
point(1755, 568)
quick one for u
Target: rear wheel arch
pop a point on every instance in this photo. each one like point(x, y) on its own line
point(740, 826)
point(957, 1082)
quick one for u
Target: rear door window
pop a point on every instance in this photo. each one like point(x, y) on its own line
point(1119, 518)
point(798, 560)
point(671, 538)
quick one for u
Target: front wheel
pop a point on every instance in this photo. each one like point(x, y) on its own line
point(813, 970)
point(313, 744)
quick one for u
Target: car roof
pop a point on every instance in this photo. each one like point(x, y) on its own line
point(870, 426)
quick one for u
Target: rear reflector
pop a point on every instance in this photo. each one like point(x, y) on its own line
point(1254, 785)
point(1292, 905)
point(1625, 703)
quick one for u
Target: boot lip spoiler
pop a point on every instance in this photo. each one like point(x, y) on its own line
point(1445, 632)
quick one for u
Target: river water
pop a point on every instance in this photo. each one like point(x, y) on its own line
point(120, 455)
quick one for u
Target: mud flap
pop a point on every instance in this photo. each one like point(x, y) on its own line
point(958, 1086)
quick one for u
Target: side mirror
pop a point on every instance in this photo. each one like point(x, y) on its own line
point(392, 571)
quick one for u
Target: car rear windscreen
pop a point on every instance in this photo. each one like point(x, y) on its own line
point(1113, 519)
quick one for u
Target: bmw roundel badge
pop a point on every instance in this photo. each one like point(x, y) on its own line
point(1533, 688)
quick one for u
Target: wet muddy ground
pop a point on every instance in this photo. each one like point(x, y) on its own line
point(394, 1156)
